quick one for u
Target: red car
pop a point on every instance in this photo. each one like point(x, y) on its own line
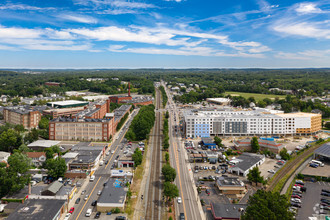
point(296, 196)
point(298, 185)
point(71, 210)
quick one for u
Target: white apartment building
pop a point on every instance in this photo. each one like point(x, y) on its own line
point(256, 122)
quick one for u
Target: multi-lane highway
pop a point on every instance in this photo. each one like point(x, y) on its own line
point(153, 208)
point(101, 176)
point(190, 205)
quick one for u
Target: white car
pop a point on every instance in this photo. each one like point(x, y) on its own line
point(271, 171)
point(67, 216)
point(296, 200)
point(99, 192)
point(179, 200)
point(107, 153)
point(112, 152)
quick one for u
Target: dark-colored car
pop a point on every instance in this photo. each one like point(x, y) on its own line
point(182, 216)
point(77, 201)
point(104, 184)
point(325, 201)
point(326, 190)
point(94, 203)
point(117, 157)
point(314, 165)
point(296, 204)
point(303, 189)
point(106, 162)
point(120, 218)
point(97, 215)
point(325, 194)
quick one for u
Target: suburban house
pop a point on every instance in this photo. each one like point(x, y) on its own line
point(38, 158)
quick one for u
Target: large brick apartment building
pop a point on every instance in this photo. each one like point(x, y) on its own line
point(27, 116)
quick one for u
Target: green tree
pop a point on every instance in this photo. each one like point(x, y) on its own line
point(284, 154)
point(267, 205)
point(44, 123)
point(262, 104)
point(23, 148)
point(19, 162)
point(255, 144)
point(218, 141)
point(254, 176)
point(56, 167)
point(9, 140)
point(170, 190)
point(32, 136)
point(137, 157)
point(167, 157)
point(169, 173)
point(167, 115)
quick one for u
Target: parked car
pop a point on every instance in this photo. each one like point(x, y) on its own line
point(97, 215)
point(67, 216)
point(271, 171)
point(207, 191)
point(71, 210)
point(295, 200)
point(120, 218)
point(99, 192)
point(88, 213)
point(325, 201)
point(314, 165)
point(77, 201)
point(94, 203)
point(300, 182)
point(326, 190)
point(83, 192)
point(294, 204)
point(296, 196)
point(179, 200)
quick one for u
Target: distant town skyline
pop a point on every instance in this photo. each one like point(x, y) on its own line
point(114, 34)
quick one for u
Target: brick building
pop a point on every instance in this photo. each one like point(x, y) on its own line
point(27, 116)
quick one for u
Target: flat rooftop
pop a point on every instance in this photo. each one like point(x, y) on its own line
point(44, 143)
point(297, 114)
point(229, 181)
point(114, 192)
point(67, 102)
point(37, 209)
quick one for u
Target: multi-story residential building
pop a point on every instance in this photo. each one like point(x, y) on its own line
point(256, 122)
point(81, 129)
point(27, 116)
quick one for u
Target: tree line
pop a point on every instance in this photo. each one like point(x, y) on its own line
point(141, 124)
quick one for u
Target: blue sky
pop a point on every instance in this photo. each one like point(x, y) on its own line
point(164, 34)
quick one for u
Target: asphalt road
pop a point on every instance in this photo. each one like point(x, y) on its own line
point(189, 205)
point(101, 176)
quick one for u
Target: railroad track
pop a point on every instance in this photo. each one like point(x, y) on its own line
point(289, 167)
point(154, 203)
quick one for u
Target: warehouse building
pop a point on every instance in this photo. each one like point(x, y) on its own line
point(256, 122)
point(81, 129)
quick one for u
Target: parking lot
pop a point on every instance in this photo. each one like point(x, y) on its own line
point(269, 164)
point(310, 201)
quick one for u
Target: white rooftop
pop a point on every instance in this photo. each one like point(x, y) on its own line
point(109, 115)
point(70, 155)
point(44, 143)
point(218, 99)
point(67, 102)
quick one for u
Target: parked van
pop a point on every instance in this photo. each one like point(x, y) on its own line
point(88, 213)
point(317, 162)
point(92, 178)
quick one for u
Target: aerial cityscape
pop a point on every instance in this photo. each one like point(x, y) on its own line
point(164, 110)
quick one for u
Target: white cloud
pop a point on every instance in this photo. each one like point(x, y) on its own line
point(56, 47)
point(79, 18)
point(18, 33)
point(11, 6)
point(305, 29)
point(174, 0)
point(126, 4)
point(5, 47)
point(306, 8)
point(305, 55)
